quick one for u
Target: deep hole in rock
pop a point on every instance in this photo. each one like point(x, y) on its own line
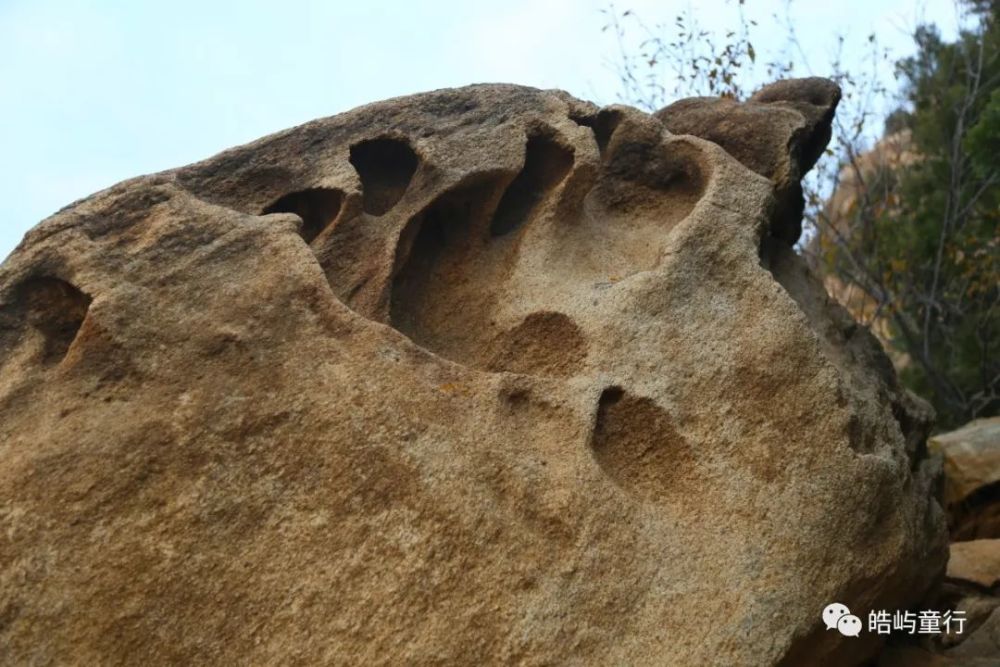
point(546, 164)
point(609, 396)
point(602, 124)
point(430, 252)
point(318, 208)
point(56, 309)
point(386, 167)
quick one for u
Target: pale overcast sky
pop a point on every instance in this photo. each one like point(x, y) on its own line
point(96, 91)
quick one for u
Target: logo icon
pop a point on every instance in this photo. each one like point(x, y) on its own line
point(832, 613)
point(849, 625)
point(838, 617)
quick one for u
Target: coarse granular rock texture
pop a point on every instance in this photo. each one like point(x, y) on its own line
point(486, 375)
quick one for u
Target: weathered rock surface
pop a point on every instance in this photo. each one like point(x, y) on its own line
point(791, 127)
point(484, 375)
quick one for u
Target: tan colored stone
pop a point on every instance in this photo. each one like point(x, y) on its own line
point(977, 561)
point(971, 458)
point(477, 376)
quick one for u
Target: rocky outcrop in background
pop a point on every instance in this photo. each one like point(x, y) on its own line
point(486, 375)
point(972, 581)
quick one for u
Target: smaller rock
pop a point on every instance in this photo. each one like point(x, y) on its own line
point(971, 457)
point(982, 644)
point(980, 649)
point(972, 478)
point(977, 561)
point(959, 595)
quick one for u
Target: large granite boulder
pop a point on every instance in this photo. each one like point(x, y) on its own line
point(486, 375)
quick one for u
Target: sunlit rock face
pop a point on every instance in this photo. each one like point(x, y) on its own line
point(486, 375)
